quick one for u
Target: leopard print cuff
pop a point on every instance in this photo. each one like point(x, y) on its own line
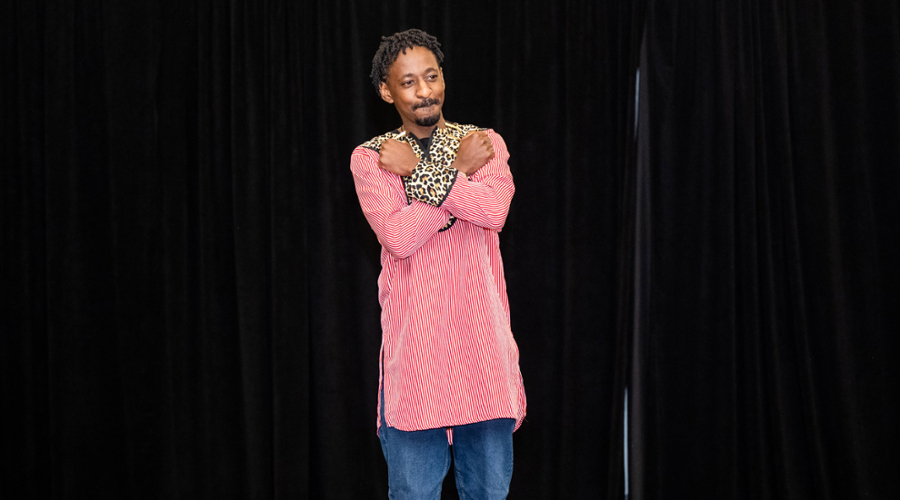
point(430, 183)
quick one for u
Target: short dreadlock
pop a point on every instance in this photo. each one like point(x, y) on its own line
point(390, 49)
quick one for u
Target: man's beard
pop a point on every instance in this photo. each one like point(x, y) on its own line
point(428, 120)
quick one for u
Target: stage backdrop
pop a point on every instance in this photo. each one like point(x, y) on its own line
point(765, 354)
point(188, 286)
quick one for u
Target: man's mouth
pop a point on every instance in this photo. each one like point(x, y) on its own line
point(427, 103)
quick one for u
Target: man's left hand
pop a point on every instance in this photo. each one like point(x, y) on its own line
point(397, 158)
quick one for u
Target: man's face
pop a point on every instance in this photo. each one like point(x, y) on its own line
point(415, 86)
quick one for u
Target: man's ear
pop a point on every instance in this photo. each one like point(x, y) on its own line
point(385, 93)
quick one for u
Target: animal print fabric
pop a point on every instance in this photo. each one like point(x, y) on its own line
point(433, 176)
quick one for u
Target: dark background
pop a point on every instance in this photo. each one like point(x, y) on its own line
point(188, 286)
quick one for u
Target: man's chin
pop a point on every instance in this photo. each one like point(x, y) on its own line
point(428, 121)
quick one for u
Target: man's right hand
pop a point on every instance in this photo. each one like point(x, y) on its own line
point(475, 150)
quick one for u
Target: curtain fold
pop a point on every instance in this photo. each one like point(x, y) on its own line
point(766, 333)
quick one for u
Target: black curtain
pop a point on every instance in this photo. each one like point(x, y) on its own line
point(189, 303)
point(188, 286)
point(155, 299)
point(764, 358)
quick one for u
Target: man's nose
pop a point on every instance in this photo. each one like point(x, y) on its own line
point(423, 89)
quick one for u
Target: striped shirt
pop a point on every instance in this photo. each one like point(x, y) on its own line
point(448, 356)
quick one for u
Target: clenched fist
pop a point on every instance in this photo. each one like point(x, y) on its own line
point(397, 158)
point(475, 150)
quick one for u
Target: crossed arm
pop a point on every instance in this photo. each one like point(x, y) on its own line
point(482, 199)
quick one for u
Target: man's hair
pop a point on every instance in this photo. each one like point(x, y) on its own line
point(390, 49)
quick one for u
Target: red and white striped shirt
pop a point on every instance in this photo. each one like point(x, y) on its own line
point(448, 356)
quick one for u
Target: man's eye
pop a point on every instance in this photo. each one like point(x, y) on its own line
point(407, 83)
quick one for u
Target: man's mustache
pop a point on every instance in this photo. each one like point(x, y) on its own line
point(427, 102)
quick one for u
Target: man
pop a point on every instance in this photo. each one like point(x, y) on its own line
point(437, 193)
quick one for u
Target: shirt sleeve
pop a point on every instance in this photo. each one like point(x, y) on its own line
point(401, 228)
point(484, 199)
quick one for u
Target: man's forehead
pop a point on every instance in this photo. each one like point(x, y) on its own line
point(412, 60)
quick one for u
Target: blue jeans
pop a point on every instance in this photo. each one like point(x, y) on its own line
point(418, 461)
